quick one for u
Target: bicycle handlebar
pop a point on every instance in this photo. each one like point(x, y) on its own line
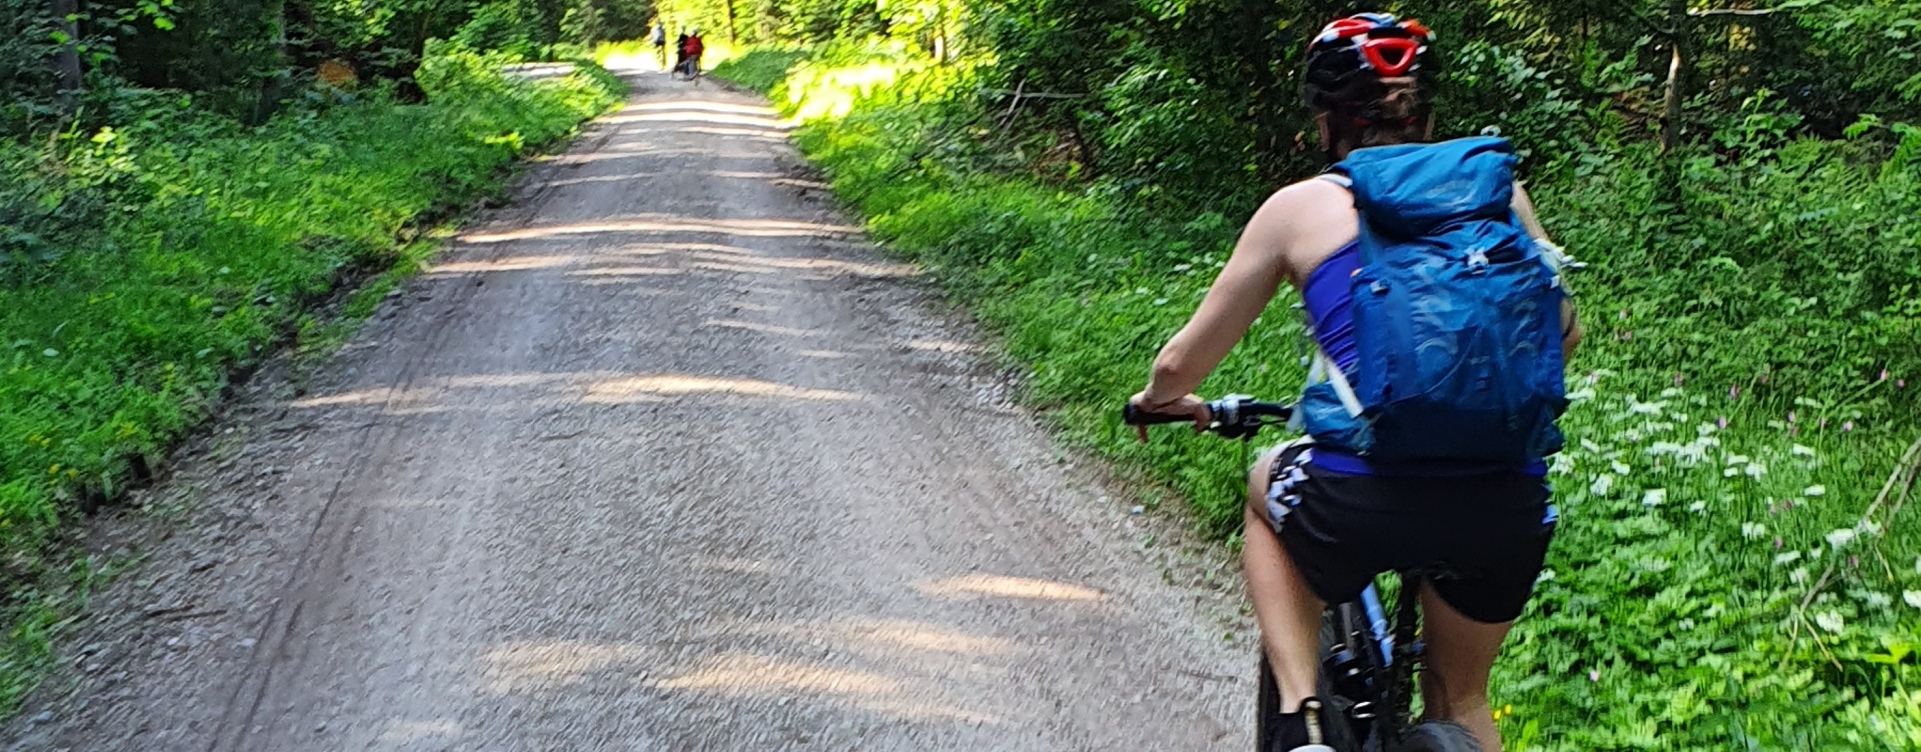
point(1134, 416)
point(1235, 416)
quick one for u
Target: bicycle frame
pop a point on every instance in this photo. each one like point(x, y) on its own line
point(1392, 655)
point(1379, 692)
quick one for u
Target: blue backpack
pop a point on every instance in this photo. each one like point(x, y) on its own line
point(1457, 315)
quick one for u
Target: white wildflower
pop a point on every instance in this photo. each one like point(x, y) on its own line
point(1546, 575)
point(1580, 395)
point(1697, 507)
point(1620, 468)
point(1730, 472)
point(1841, 537)
point(1798, 576)
point(1911, 597)
point(1755, 470)
point(1646, 408)
point(1671, 392)
point(1737, 459)
point(1787, 558)
point(1801, 451)
point(1815, 553)
point(1877, 600)
point(1753, 530)
point(1831, 621)
point(1815, 491)
point(1589, 445)
point(1601, 485)
point(1663, 447)
point(1653, 497)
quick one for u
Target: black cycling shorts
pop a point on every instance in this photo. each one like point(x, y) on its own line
point(1484, 537)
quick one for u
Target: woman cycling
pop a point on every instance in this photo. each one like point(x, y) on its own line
point(1323, 521)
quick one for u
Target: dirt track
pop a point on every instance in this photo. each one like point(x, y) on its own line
point(664, 457)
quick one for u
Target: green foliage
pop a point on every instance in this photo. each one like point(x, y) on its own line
point(1733, 423)
point(762, 68)
point(26, 48)
point(209, 241)
point(1491, 86)
point(244, 58)
point(1150, 123)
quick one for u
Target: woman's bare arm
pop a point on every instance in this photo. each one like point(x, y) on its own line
point(1240, 293)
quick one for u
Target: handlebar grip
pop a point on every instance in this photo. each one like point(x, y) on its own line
point(1135, 416)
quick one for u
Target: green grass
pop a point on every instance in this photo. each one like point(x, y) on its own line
point(1731, 430)
point(206, 246)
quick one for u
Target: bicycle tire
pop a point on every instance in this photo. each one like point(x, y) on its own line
point(1334, 724)
point(1438, 736)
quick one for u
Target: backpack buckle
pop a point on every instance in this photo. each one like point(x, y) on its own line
point(1477, 260)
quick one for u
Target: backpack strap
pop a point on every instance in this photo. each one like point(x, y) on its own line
point(1325, 369)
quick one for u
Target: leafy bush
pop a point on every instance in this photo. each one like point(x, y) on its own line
point(1163, 132)
point(213, 238)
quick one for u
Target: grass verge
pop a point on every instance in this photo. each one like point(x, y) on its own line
point(204, 245)
point(1733, 569)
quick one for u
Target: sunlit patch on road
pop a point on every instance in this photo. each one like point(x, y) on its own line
point(749, 675)
point(822, 354)
point(762, 122)
point(1001, 586)
point(546, 390)
point(941, 345)
point(644, 388)
point(404, 732)
point(524, 666)
point(670, 224)
point(754, 326)
point(509, 264)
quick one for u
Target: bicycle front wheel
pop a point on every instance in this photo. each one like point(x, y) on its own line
point(1438, 736)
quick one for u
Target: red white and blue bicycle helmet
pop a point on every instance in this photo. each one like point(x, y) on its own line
point(1372, 45)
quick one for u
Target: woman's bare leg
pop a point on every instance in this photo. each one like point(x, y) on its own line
point(1460, 652)
point(1288, 612)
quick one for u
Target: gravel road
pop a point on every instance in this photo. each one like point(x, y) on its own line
point(664, 456)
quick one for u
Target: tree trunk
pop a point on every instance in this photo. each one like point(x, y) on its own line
point(937, 37)
point(1671, 98)
point(273, 86)
point(66, 62)
point(731, 39)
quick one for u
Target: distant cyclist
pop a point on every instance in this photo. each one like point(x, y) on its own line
point(690, 52)
point(1326, 515)
point(658, 38)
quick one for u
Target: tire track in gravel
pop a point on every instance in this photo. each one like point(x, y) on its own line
point(668, 458)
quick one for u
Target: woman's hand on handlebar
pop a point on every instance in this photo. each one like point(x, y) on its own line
point(1188, 405)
